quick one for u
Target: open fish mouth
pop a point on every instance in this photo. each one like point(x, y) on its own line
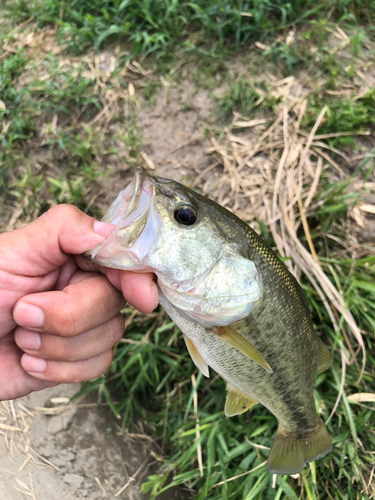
point(130, 214)
point(130, 200)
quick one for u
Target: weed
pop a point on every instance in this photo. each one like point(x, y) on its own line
point(208, 73)
point(150, 91)
point(343, 115)
point(14, 118)
point(69, 93)
point(285, 55)
point(243, 98)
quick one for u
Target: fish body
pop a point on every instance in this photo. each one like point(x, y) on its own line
point(241, 312)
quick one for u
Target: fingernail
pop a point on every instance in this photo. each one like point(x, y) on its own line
point(28, 315)
point(103, 228)
point(32, 364)
point(28, 340)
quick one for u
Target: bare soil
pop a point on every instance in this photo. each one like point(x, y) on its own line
point(72, 453)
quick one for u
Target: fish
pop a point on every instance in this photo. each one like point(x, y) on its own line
point(241, 312)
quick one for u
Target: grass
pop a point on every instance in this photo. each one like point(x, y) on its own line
point(65, 122)
point(160, 26)
point(242, 97)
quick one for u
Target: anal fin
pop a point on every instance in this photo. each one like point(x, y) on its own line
point(236, 340)
point(196, 357)
point(324, 357)
point(237, 402)
point(289, 453)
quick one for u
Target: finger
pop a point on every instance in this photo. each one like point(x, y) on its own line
point(81, 306)
point(62, 230)
point(139, 290)
point(67, 372)
point(84, 346)
point(14, 381)
point(67, 270)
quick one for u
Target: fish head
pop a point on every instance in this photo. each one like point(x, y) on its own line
point(160, 227)
point(166, 228)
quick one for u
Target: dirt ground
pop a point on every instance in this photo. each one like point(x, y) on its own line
point(74, 453)
point(172, 132)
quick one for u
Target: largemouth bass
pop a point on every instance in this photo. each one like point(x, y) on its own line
point(241, 312)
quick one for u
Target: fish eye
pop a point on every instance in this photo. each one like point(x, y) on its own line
point(186, 215)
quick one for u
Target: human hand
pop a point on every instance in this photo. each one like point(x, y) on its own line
point(60, 314)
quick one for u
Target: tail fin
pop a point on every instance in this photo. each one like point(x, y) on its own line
point(289, 453)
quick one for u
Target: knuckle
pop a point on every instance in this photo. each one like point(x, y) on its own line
point(63, 211)
point(67, 322)
point(94, 367)
point(62, 352)
point(116, 327)
point(113, 298)
point(54, 347)
point(106, 360)
point(58, 349)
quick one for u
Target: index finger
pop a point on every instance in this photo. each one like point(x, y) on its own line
point(139, 289)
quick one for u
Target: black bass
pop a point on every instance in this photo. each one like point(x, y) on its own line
point(241, 312)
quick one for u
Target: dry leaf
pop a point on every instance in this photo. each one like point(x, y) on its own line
point(367, 208)
point(362, 397)
point(147, 159)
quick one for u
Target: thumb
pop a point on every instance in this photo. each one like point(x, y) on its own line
point(45, 244)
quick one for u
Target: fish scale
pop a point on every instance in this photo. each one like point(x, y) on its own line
point(250, 324)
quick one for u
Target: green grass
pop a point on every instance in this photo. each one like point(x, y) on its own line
point(17, 124)
point(160, 26)
point(49, 116)
point(353, 114)
point(53, 114)
point(244, 98)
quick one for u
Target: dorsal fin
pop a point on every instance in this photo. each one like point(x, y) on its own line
point(196, 357)
point(236, 340)
point(237, 402)
point(324, 357)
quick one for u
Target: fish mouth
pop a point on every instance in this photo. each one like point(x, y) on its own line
point(130, 214)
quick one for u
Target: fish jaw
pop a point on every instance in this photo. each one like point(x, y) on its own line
point(136, 220)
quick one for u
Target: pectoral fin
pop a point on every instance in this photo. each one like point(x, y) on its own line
point(324, 357)
point(196, 357)
point(237, 402)
point(236, 340)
